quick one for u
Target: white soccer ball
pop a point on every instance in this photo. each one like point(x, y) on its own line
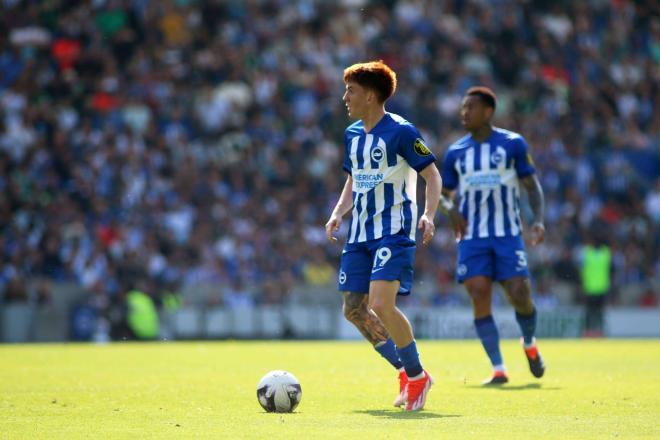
point(279, 391)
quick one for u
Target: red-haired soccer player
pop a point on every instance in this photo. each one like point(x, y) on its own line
point(488, 166)
point(384, 153)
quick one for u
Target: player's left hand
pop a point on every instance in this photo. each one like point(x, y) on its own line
point(331, 227)
point(427, 227)
point(538, 233)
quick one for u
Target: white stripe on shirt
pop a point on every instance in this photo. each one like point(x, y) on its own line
point(364, 215)
point(469, 169)
point(397, 214)
point(354, 222)
point(366, 152)
point(383, 163)
point(483, 213)
point(485, 156)
point(499, 212)
point(380, 203)
point(354, 147)
point(483, 202)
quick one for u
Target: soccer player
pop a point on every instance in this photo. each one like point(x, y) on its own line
point(383, 155)
point(488, 166)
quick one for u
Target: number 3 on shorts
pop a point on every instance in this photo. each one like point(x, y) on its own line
point(522, 258)
point(382, 257)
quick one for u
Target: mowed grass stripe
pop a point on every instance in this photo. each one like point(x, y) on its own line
point(592, 389)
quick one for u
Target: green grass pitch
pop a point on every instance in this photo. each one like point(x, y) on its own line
point(592, 389)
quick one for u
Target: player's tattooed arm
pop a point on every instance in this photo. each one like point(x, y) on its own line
point(537, 204)
point(366, 321)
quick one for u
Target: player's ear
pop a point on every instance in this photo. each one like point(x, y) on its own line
point(372, 96)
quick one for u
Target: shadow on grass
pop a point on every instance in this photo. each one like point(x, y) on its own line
point(281, 414)
point(400, 414)
point(527, 386)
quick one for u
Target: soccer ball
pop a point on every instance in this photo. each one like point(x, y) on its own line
point(279, 391)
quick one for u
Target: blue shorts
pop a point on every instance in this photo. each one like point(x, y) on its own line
point(388, 258)
point(498, 258)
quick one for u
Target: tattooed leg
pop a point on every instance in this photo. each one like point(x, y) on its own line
point(356, 311)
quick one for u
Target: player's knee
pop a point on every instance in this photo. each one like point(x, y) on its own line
point(480, 295)
point(481, 309)
point(352, 314)
point(354, 307)
point(520, 296)
point(381, 308)
point(478, 286)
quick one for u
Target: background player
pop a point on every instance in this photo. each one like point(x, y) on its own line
point(384, 153)
point(488, 165)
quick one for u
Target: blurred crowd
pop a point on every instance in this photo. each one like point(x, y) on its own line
point(196, 146)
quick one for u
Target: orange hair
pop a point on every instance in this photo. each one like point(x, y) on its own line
point(486, 95)
point(374, 75)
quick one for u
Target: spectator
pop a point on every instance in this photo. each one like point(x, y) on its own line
point(237, 296)
point(649, 299)
point(16, 292)
point(318, 271)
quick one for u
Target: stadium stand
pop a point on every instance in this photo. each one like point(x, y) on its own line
point(195, 146)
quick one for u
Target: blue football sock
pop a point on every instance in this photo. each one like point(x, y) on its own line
point(490, 338)
point(410, 359)
point(387, 350)
point(527, 325)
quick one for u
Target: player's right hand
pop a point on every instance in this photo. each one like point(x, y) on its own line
point(458, 224)
point(537, 233)
point(331, 227)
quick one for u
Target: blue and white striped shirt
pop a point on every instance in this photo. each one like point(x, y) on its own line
point(384, 165)
point(487, 174)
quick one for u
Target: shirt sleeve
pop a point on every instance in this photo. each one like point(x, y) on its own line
point(449, 173)
point(522, 159)
point(347, 165)
point(413, 149)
